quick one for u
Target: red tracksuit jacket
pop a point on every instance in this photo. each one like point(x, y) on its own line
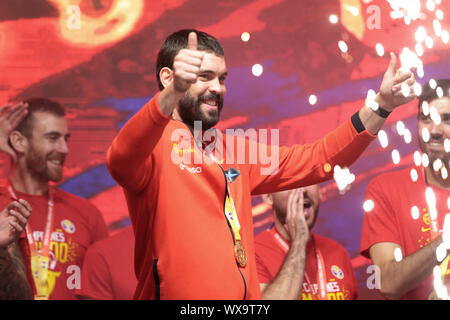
point(184, 246)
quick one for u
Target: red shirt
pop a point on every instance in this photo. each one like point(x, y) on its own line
point(184, 247)
point(77, 224)
point(108, 272)
point(339, 275)
point(394, 194)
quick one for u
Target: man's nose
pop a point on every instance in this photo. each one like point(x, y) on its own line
point(216, 86)
point(63, 147)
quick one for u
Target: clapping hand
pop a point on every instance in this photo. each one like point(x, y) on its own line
point(13, 219)
point(296, 225)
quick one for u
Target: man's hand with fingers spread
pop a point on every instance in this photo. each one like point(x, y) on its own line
point(13, 219)
point(10, 117)
point(390, 95)
point(186, 65)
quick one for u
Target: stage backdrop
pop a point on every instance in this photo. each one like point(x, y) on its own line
point(302, 67)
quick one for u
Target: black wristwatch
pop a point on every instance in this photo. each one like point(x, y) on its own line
point(382, 112)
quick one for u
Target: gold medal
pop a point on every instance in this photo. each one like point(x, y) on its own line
point(239, 253)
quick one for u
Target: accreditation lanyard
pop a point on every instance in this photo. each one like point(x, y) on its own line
point(284, 245)
point(40, 258)
point(231, 215)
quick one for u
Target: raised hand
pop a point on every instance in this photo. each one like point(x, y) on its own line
point(186, 64)
point(10, 117)
point(296, 225)
point(390, 95)
point(13, 220)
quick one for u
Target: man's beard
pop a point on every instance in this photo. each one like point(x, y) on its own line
point(190, 111)
point(37, 166)
point(433, 155)
point(443, 156)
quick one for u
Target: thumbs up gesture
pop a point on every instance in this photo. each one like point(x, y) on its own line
point(391, 95)
point(186, 65)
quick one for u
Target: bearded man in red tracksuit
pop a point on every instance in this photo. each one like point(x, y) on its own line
point(189, 202)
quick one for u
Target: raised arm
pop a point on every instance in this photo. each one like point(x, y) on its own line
point(128, 157)
point(301, 165)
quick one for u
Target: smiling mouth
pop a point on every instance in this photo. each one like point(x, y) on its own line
point(57, 162)
point(435, 145)
point(212, 104)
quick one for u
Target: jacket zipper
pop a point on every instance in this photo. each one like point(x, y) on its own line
point(224, 214)
point(156, 277)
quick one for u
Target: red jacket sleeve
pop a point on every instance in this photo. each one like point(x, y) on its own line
point(128, 156)
point(302, 165)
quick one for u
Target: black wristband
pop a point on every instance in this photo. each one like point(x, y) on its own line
point(381, 112)
point(357, 123)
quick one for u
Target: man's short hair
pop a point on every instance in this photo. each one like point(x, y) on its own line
point(39, 105)
point(179, 40)
point(429, 94)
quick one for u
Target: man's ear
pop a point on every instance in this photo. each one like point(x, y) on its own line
point(18, 141)
point(267, 199)
point(166, 76)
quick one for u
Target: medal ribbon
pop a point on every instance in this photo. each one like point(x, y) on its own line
point(230, 209)
point(284, 245)
point(40, 258)
point(231, 215)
